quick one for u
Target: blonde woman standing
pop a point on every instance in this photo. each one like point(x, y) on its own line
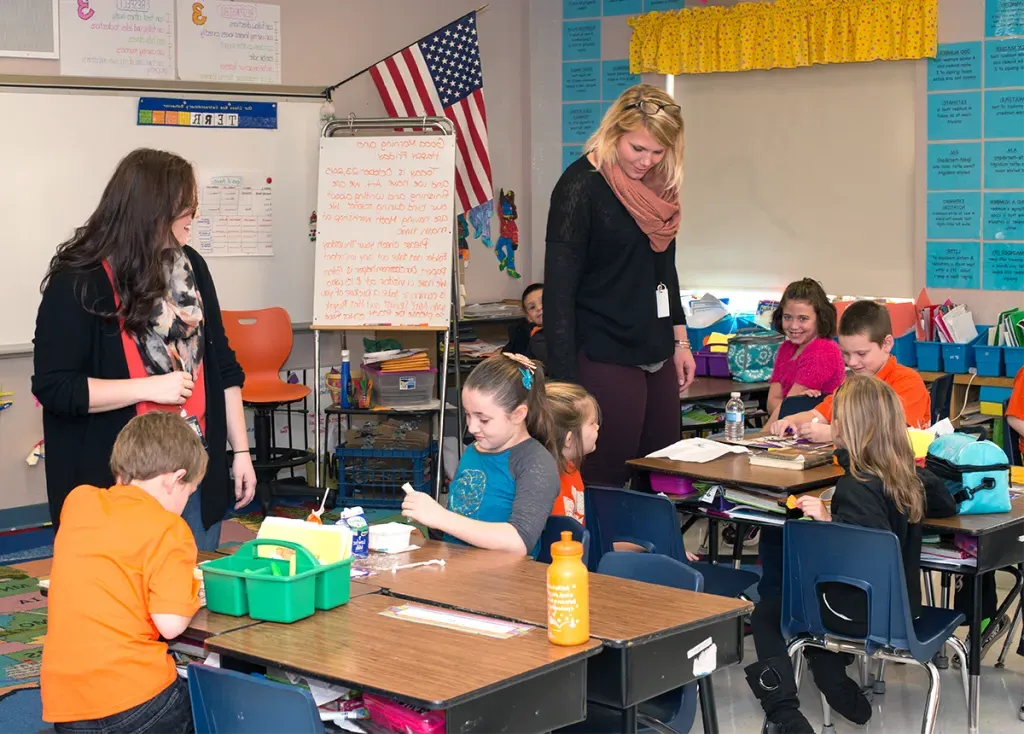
point(612, 311)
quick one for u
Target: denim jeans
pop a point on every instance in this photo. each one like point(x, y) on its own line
point(169, 712)
point(206, 540)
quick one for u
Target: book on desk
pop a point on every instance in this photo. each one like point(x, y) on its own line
point(796, 459)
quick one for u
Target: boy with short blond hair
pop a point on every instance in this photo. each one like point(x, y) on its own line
point(122, 578)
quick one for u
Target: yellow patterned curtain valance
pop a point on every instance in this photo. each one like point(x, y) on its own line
point(783, 34)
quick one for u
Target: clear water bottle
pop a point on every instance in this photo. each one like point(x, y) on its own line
point(734, 418)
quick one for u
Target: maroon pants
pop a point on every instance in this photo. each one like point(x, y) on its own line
point(639, 415)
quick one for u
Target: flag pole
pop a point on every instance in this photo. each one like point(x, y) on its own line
point(346, 80)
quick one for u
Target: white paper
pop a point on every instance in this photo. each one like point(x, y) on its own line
point(236, 215)
point(705, 312)
point(229, 42)
point(117, 38)
point(696, 450)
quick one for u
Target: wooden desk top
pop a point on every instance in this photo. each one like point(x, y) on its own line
point(734, 470)
point(426, 666)
point(622, 612)
point(706, 388)
point(459, 559)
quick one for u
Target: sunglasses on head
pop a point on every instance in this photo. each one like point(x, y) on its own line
point(649, 107)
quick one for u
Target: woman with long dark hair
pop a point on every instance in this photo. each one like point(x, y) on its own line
point(129, 322)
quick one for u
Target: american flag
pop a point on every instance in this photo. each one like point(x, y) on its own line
point(440, 76)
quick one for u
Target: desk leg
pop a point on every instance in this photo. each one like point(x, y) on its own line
point(974, 658)
point(628, 720)
point(737, 546)
point(712, 540)
point(708, 711)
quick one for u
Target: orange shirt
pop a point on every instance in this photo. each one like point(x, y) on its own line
point(569, 501)
point(118, 558)
point(917, 402)
point(1015, 407)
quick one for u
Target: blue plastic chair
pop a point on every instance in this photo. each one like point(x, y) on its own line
point(228, 702)
point(552, 533)
point(650, 521)
point(871, 560)
point(677, 708)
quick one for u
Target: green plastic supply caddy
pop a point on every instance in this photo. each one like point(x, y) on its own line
point(263, 588)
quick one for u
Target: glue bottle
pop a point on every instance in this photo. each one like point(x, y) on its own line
point(568, 593)
point(346, 378)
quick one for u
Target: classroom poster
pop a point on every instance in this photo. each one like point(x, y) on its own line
point(131, 39)
point(235, 42)
point(974, 212)
point(236, 214)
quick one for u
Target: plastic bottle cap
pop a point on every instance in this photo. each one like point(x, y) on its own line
point(344, 354)
point(734, 395)
point(567, 546)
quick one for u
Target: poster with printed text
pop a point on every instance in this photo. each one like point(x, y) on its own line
point(117, 38)
point(229, 42)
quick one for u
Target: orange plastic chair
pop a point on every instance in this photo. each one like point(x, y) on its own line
point(262, 341)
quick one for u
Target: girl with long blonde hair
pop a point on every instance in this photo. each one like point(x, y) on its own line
point(613, 315)
point(881, 489)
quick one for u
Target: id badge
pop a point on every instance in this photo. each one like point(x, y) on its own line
point(661, 296)
point(193, 423)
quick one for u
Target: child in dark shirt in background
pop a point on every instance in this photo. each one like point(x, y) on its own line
point(526, 337)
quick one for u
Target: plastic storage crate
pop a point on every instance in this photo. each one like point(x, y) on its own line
point(958, 359)
point(400, 389)
point(929, 356)
point(244, 583)
point(374, 477)
point(988, 360)
point(1013, 360)
point(904, 349)
point(725, 325)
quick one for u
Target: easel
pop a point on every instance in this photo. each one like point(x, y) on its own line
point(443, 126)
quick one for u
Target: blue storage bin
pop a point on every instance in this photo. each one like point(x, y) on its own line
point(904, 349)
point(929, 356)
point(1013, 360)
point(989, 360)
point(959, 358)
point(725, 325)
point(994, 394)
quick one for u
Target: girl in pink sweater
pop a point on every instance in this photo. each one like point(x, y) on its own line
point(809, 362)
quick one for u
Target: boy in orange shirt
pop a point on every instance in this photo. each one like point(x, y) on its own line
point(122, 578)
point(866, 341)
point(1015, 409)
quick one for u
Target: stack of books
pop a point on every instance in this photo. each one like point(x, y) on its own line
point(794, 458)
point(398, 360)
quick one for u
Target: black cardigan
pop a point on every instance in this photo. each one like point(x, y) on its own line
point(600, 278)
point(72, 345)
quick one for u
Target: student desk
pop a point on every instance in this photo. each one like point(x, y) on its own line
point(647, 630)
point(521, 684)
point(710, 388)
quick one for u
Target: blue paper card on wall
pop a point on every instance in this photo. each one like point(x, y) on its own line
point(581, 40)
point(953, 265)
point(1004, 164)
point(1004, 63)
point(1004, 114)
point(623, 7)
point(1004, 18)
point(581, 8)
point(664, 4)
point(581, 81)
point(954, 116)
point(954, 216)
point(1004, 216)
point(954, 166)
point(570, 153)
point(579, 121)
point(957, 66)
point(1003, 268)
point(616, 79)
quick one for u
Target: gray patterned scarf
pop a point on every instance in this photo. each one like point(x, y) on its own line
point(173, 341)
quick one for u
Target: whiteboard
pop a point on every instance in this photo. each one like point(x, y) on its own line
point(385, 214)
point(59, 149)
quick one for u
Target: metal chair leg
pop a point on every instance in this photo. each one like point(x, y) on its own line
point(960, 651)
point(826, 712)
point(929, 588)
point(1001, 662)
point(879, 685)
point(932, 706)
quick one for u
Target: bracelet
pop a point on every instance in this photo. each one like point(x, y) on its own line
point(241, 451)
point(683, 344)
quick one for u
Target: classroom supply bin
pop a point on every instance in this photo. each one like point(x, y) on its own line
point(988, 360)
point(390, 537)
point(904, 349)
point(712, 364)
point(401, 389)
point(1013, 360)
point(374, 477)
point(994, 394)
point(958, 359)
point(670, 484)
point(929, 356)
point(268, 590)
point(725, 325)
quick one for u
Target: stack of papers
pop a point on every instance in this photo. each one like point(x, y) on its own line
point(1009, 331)
point(705, 312)
point(399, 360)
point(948, 323)
point(696, 450)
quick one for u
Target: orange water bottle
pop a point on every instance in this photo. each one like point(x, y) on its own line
point(568, 593)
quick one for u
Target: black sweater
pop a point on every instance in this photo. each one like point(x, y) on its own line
point(600, 278)
point(72, 345)
point(867, 504)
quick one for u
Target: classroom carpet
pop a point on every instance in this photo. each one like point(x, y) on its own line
point(22, 624)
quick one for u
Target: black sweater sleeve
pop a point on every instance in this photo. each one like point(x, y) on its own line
point(231, 373)
point(63, 346)
point(937, 499)
point(857, 504)
point(569, 223)
point(675, 301)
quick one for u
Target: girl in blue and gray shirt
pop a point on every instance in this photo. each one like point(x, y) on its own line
point(507, 480)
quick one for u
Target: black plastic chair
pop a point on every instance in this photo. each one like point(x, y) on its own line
point(941, 392)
